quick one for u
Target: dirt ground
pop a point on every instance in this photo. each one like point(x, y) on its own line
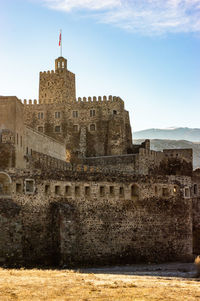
point(175, 281)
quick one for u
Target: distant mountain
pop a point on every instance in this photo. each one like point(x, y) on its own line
point(159, 145)
point(170, 133)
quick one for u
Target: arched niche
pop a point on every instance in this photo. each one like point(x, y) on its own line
point(5, 184)
point(135, 192)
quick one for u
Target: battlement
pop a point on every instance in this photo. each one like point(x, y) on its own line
point(30, 102)
point(99, 99)
point(94, 99)
point(48, 72)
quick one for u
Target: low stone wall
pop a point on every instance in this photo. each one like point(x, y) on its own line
point(42, 161)
point(125, 163)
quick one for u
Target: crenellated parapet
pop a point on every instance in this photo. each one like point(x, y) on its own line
point(47, 72)
point(94, 99)
point(29, 102)
point(109, 98)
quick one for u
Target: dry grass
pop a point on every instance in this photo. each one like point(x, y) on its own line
point(23, 285)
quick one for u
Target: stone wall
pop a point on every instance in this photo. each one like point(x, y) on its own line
point(143, 162)
point(7, 156)
point(123, 163)
point(10, 232)
point(39, 142)
point(12, 119)
point(106, 124)
point(102, 232)
point(181, 154)
point(196, 211)
point(77, 218)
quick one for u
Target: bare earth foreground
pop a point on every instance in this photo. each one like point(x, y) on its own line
point(138, 282)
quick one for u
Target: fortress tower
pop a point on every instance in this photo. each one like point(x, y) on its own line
point(57, 86)
point(89, 127)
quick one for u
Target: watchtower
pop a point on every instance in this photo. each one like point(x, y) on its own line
point(60, 63)
point(59, 85)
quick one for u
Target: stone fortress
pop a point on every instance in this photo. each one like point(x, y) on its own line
point(75, 190)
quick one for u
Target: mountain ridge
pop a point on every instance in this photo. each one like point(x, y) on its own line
point(179, 133)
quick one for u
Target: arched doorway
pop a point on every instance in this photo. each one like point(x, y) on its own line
point(134, 192)
point(5, 184)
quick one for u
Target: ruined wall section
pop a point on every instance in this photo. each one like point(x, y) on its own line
point(181, 154)
point(177, 162)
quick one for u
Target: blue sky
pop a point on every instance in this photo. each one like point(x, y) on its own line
point(145, 51)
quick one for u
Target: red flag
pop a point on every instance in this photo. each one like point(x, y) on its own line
point(60, 39)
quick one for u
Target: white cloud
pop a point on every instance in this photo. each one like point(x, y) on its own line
point(68, 5)
point(146, 16)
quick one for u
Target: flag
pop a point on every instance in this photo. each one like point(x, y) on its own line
point(60, 39)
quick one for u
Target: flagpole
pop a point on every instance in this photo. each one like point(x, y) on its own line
point(61, 43)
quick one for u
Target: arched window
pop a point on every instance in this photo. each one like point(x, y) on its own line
point(102, 191)
point(134, 192)
point(92, 113)
point(87, 191)
point(165, 192)
point(195, 189)
point(68, 191)
point(63, 65)
point(57, 190)
point(57, 129)
point(5, 185)
point(121, 191)
point(40, 129)
point(92, 127)
point(187, 192)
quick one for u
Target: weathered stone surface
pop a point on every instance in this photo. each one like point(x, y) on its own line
point(74, 222)
point(10, 233)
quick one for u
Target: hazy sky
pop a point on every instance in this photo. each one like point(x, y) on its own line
point(145, 51)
